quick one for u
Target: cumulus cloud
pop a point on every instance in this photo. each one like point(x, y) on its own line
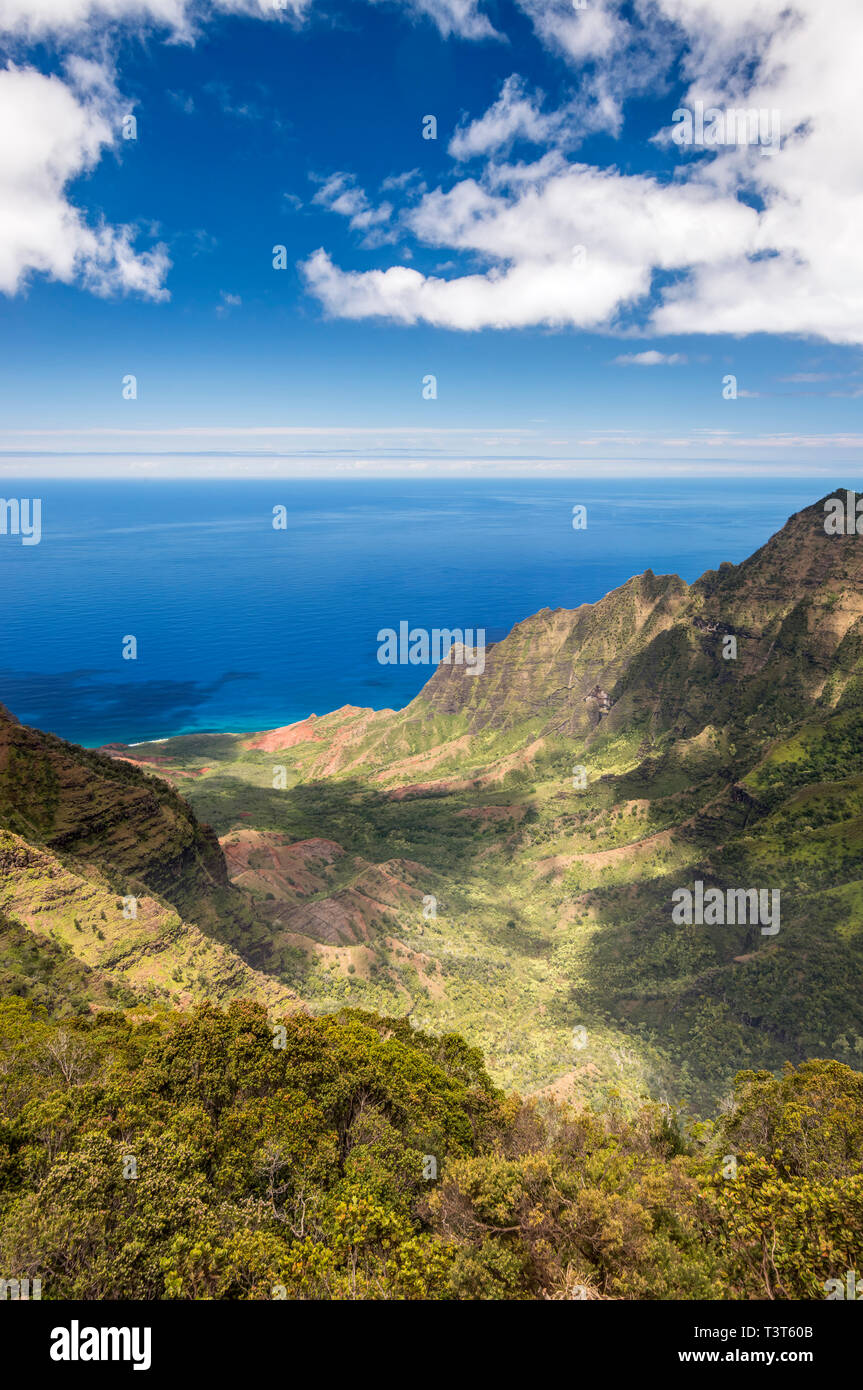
point(51, 131)
point(54, 128)
point(570, 247)
point(808, 277)
point(740, 239)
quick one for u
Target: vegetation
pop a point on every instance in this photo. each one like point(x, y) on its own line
point(551, 900)
point(194, 1156)
point(506, 1072)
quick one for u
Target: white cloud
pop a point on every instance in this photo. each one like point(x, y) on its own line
point(808, 278)
point(51, 131)
point(651, 358)
point(313, 450)
point(615, 56)
point(402, 181)
point(36, 19)
point(342, 194)
point(787, 260)
point(461, 17)
point(516, 115)
point(742, 239)
point(594, 32)
point(55, 128)
point(567, 247)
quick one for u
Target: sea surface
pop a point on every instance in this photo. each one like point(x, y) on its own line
point(240, 626)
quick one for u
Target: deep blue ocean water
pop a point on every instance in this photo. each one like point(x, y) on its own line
point(240, 626)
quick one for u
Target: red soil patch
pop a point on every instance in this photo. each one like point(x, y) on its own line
point(286, 737)
point(271, 863)
point(306, 730)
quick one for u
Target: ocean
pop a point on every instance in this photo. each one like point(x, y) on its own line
point(241, 626)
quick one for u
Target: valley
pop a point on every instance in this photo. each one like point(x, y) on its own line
point(447, 863)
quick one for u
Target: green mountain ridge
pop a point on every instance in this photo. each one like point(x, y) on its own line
point(472, 883)
point(87, 840)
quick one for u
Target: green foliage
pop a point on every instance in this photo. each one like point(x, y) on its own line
point(792, 1217)
point(192, 1156)
point(256, 1166)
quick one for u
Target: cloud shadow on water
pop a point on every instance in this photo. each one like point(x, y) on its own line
point(73, 704)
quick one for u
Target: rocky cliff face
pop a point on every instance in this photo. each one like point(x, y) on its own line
point(544, 671)
point(746, 648)
point(657, 649)
point(80, 834)
point(106, 813)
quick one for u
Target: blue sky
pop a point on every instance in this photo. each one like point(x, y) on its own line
point(408, 256)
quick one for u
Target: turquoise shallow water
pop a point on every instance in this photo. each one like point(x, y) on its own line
point(240, 626)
